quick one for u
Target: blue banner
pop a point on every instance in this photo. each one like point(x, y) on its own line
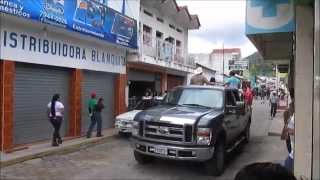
point(270, 16)
point(90, 17)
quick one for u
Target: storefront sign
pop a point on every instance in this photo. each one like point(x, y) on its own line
point(85, 16)
point(31, 46)
point(267, 16)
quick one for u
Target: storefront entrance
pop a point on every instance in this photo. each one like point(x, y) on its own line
point(34, 87)
point(103, 85)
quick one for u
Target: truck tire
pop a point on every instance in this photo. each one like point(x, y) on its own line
point(247, 134)
point(141, 158)
point(215, 166)
point(124, 134)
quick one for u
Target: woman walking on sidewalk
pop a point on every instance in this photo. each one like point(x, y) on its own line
point(55, 114)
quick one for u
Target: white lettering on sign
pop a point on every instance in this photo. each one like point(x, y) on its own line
point(59, 50)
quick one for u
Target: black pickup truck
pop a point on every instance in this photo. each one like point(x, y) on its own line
point(194, 123)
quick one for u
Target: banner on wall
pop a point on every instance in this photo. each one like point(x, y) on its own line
point(89, 17)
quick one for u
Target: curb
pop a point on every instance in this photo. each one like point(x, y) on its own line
point(57, 151)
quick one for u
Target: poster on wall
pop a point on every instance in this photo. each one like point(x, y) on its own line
point(89, 17)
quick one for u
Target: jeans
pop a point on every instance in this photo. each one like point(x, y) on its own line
point(56, 123)
point(288, 163)
point(288, 142)
point(95, 119)
point(274, 107)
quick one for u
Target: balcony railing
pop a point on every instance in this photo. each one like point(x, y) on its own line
point(163, 50)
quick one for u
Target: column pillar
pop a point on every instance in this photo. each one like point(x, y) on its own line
point(164, 80)
point(6, 100)
point(316, 106)
point(303, 91)
point(75, 103)
point(120, 94)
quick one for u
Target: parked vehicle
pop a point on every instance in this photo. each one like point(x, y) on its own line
point(124, 121)
point(194, 123)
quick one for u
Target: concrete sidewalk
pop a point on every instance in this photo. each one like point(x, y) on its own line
point(45, 149)
point(277, 124)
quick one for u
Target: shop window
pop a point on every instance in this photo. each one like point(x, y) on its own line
point(179, 30)
point(178, 43)
point(147, 13)
point(159, 34)
point(160, 20)
point(170, 40)
point(147, 35)
point(172, 26)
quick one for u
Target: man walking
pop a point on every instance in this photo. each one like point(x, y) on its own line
point(274, 99)
point(91, 106)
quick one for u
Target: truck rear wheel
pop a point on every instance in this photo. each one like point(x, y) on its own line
point(247, 134)
point(216, 165)
point(141, 158)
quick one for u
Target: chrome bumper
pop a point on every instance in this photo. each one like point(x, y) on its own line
point(127, 128)
point(199, 154)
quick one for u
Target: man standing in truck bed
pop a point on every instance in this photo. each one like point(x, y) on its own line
point(199, 78)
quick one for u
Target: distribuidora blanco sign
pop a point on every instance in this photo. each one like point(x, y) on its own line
point(35, 45)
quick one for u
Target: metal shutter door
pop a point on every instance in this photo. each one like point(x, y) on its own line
point(34, 88)
point(103, 85)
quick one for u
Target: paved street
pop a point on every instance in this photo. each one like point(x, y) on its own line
point(114, 160)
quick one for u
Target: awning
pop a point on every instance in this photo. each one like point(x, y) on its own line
point(270, 26)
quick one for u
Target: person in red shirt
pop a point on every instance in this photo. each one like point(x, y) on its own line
point(248, 95)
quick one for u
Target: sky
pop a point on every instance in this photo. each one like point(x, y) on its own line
point(222, 24)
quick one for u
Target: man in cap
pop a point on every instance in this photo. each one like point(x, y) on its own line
point(199, 78)
point(91, 105)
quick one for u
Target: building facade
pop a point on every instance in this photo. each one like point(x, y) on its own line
point(286, 33)
point(161, 62)
point(201, 58)
point(72, 48)
point(223, 60)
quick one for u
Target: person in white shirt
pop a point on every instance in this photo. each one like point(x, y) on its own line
point(55, 114)
point(274, 100)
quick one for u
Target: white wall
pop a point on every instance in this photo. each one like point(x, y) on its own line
point(216, 62)
point(164, 27)
point(316, 106)
point(303, 91)
point(201, 58)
